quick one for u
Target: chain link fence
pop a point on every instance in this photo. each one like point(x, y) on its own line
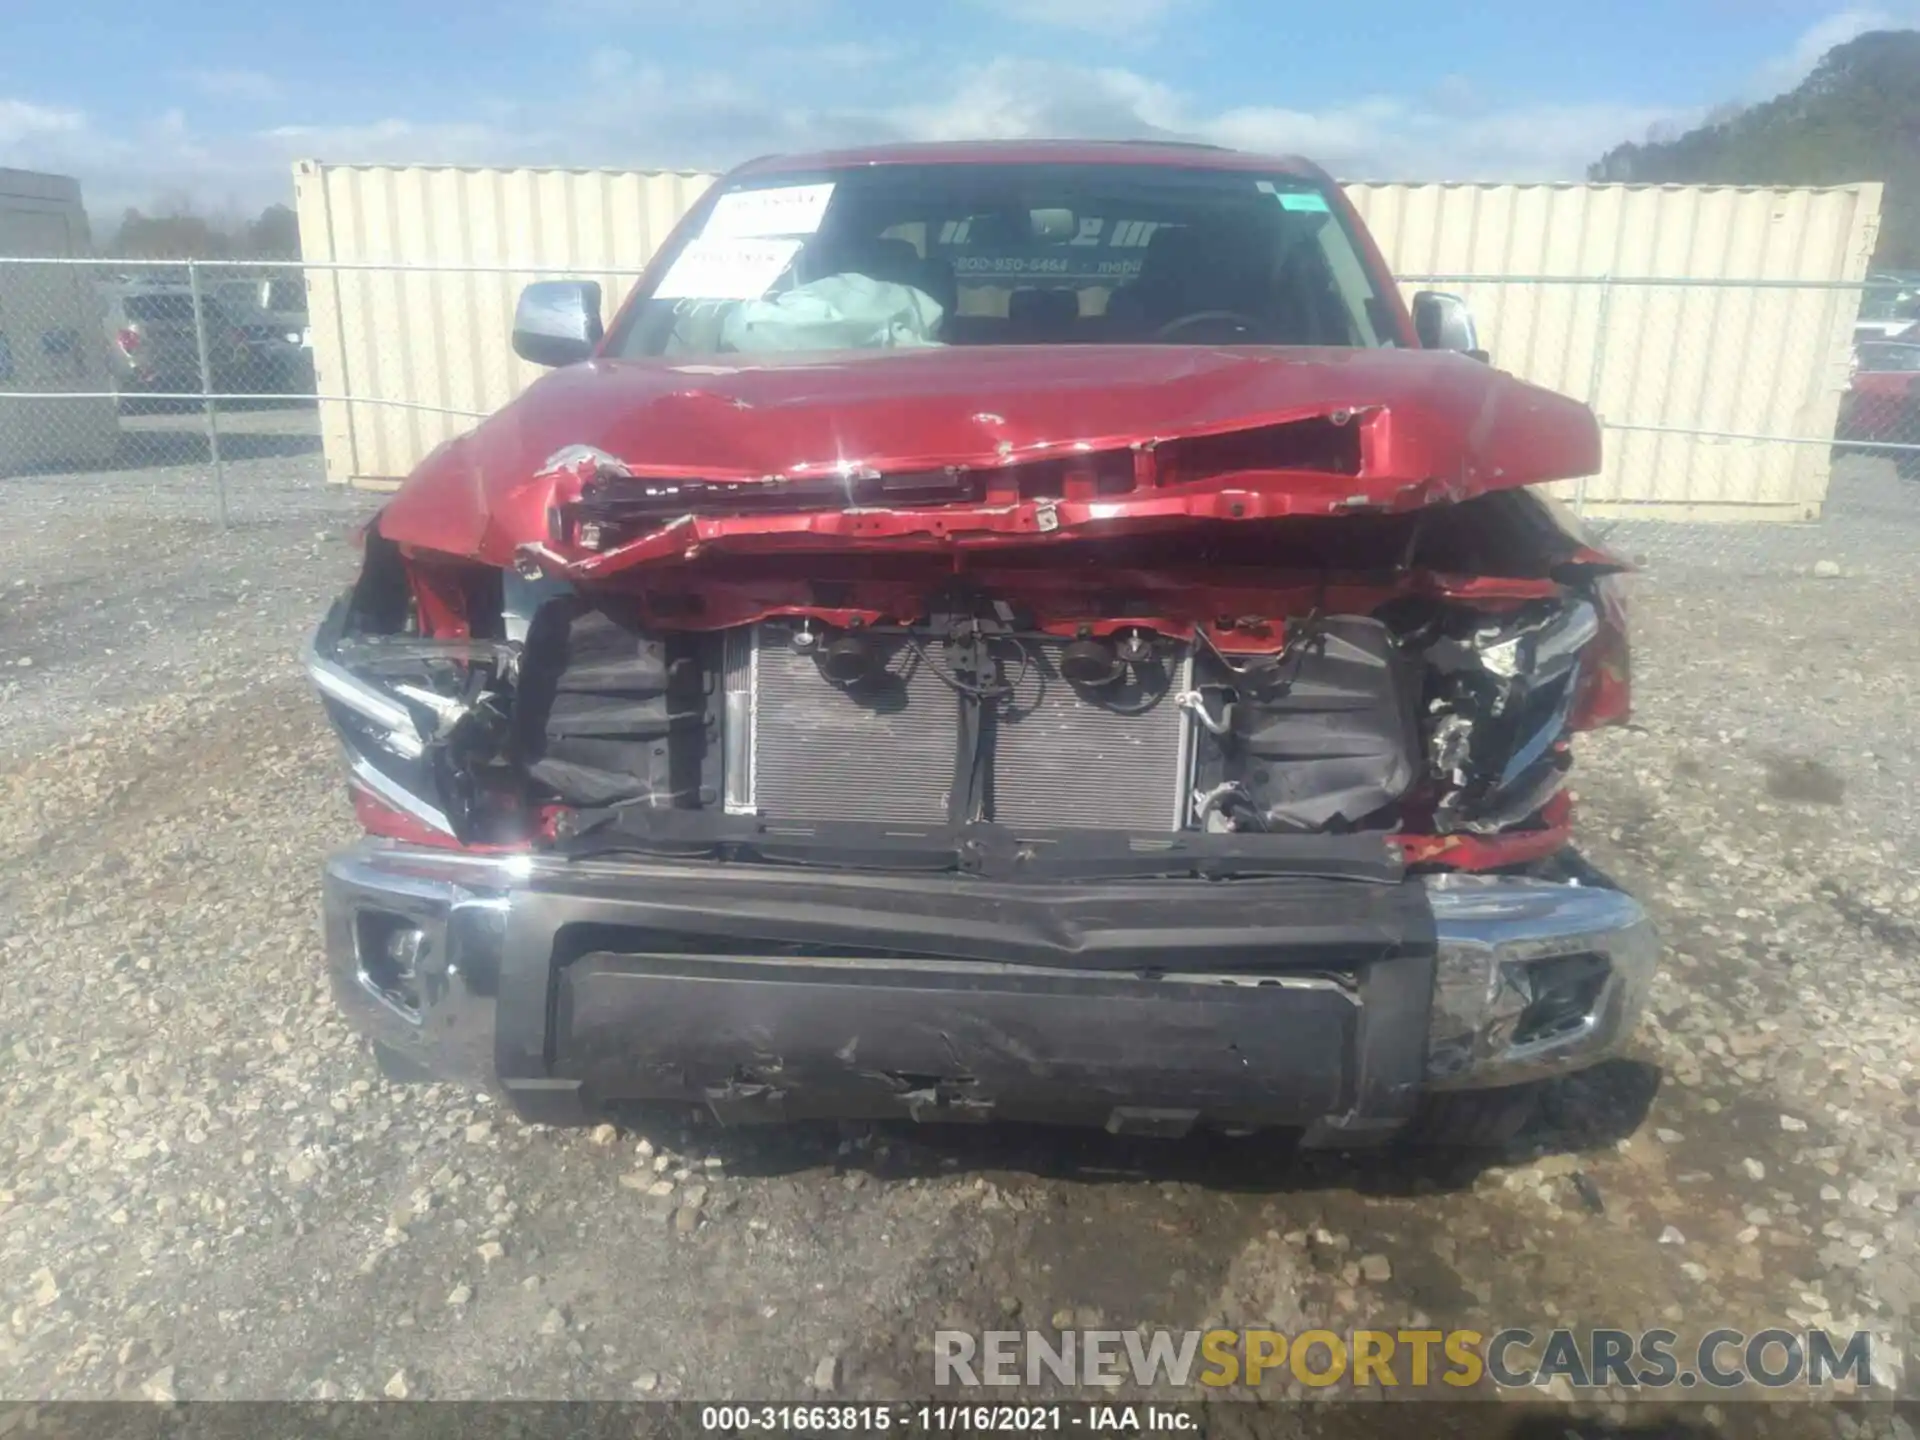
point(220, 384)
point(187, 387)
point(1721, 399)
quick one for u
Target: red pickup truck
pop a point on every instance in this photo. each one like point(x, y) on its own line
point(991, 630)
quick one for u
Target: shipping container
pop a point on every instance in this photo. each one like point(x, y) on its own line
point(428, 324)
point(1691, 369)
point(1555, 273)
point(52, 332)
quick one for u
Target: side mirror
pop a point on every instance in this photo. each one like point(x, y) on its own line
point(1443, 322)
point(557, 322)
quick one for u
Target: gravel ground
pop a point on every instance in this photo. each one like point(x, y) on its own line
point(206, 1190)
point(117, 587)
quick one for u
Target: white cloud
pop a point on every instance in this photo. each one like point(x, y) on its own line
point(21, 122)
point(642, 115)
point(248, 85)
point(1378, 137)
point(395, 141)
point(1014, 99)
point(1783, 72)
point(1099, 17)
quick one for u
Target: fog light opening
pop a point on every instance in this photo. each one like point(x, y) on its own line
point(391, 949)
point(1565, 992)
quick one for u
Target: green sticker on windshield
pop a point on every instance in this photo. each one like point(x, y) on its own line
point(1304, 200)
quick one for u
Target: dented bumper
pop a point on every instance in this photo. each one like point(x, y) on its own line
point(769, 994)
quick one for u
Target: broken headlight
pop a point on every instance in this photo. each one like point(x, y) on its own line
point(1498, 706)
point(418, 717)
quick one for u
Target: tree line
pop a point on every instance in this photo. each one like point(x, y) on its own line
point(1855, 118)
point(175, 230)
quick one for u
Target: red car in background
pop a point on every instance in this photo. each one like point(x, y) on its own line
point(1882, 405)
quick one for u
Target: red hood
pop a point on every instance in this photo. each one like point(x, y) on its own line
point(1428, 427)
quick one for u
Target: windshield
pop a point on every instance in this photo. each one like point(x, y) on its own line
point(908, 257)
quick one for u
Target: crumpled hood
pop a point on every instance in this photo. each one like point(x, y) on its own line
point(1430, 427)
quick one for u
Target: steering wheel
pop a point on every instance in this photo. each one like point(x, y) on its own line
point(1251, 325)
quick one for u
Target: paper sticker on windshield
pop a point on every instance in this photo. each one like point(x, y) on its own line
point(726, 269)
point(1304, 200)
point(778, 210)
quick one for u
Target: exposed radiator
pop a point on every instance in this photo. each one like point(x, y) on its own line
point(1062, 761)
point(801, 748)
point(883, 752)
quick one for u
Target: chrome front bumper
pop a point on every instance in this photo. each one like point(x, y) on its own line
point(1504, 944)
point(1528, 978)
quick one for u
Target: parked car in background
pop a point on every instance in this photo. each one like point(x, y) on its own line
point(280, 340)
point(1031, 630)
point(1882, 403)
point(154, 346)
point(1890, 307)
point(281, 298)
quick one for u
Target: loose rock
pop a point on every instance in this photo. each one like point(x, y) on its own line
point(159, 1386)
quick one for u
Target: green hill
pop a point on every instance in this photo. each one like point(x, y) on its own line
point(1856, 117)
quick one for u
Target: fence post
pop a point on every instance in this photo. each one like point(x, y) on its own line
point(206, 391)
point(1594, 377)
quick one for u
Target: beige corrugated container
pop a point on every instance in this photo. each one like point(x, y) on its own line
point(52, 331)
point(438, 340)
point(1741, 360)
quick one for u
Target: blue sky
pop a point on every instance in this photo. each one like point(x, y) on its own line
point(213, 100)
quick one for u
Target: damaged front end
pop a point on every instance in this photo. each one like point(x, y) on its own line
point(424, 717)
point(1190, 701)
point(1208, 818)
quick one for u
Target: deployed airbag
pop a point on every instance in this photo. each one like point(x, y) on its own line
point(837, 312)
